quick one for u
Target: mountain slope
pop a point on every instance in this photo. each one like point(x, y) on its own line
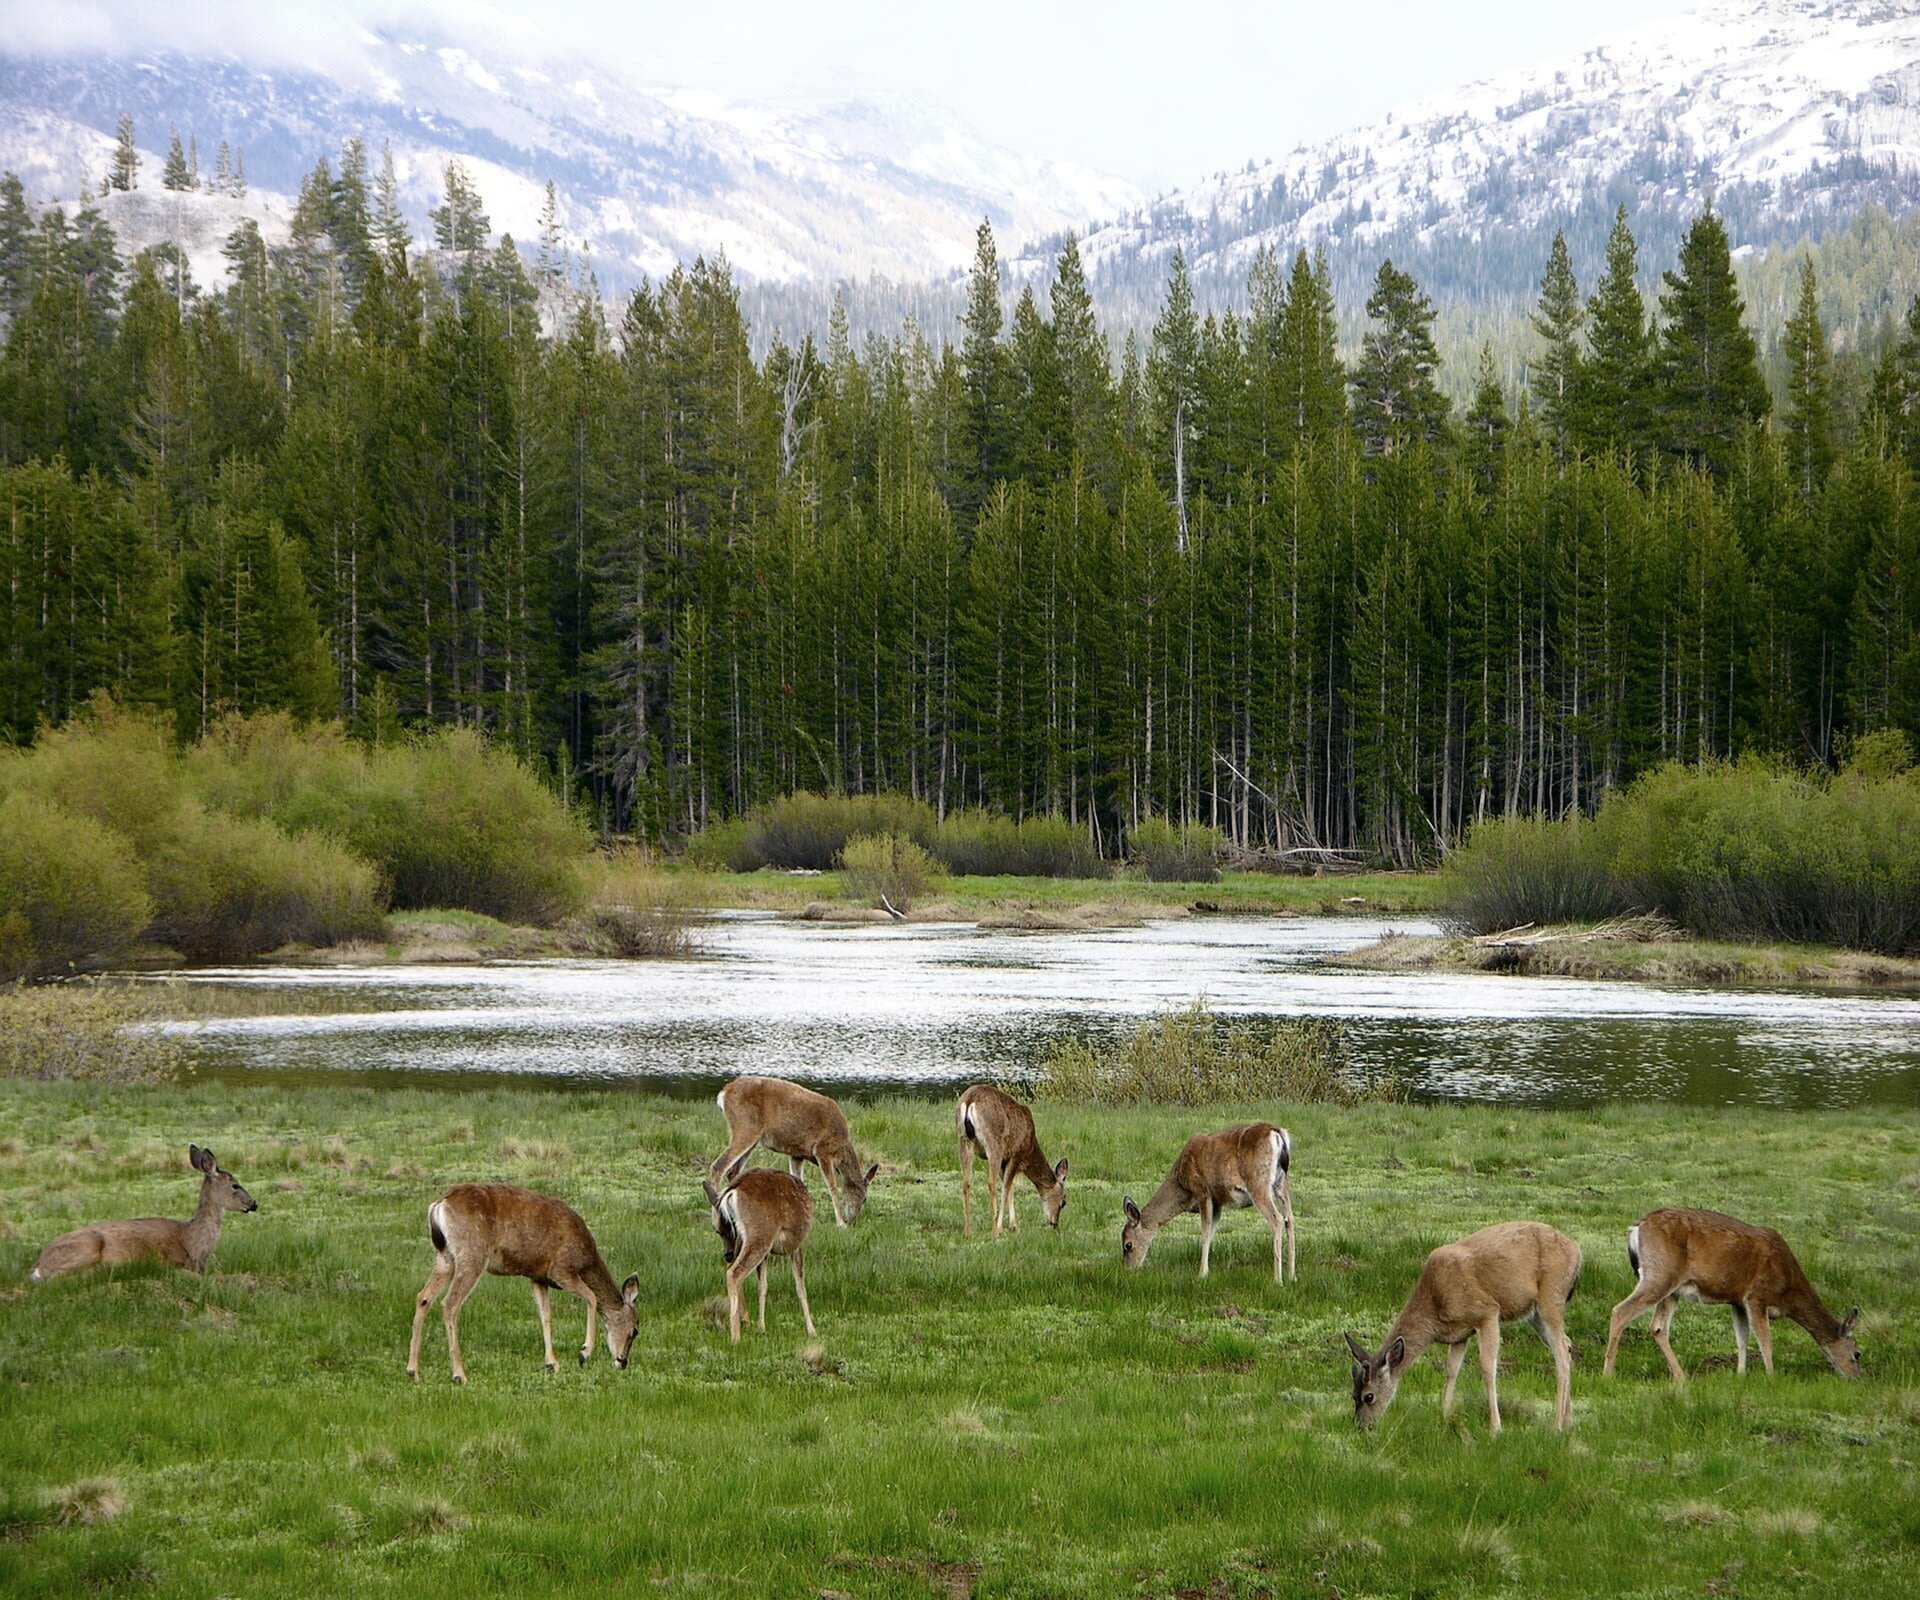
point(645, 177)
point(1790, 115)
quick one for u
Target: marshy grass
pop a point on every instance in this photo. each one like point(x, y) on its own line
point(91, 1033)
point(1192, 1058)
point(1021, 1416)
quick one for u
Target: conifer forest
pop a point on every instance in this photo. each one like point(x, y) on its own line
point(1229, 573)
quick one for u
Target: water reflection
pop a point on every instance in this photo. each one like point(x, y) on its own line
point(933, 1006)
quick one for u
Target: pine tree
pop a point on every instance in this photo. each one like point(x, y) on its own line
point(349, 220)
point(1085, 363)
point(390, 230)
point(1314, 384)
point(193, 161)
point(175, 175)
point(1555, 374)
point(550, 267)
point(1487, 425)
point(1808, 424)
point(1617, 374)
point(1710, 388)
point(125, 162)
point(238, 187)
point(16, 240)
point(1396, 401)
point(1173, 382)
point(985, 362)
point(222, 179)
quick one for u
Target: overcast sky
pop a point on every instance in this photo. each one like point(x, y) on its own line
point(1159, 92)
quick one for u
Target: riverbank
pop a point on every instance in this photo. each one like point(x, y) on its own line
point(1577, 952)
point(1016, 1417)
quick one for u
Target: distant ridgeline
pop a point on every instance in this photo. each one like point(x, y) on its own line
point(1224, 572)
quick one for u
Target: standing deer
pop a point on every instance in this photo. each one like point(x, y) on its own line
point(800, 1125)
point(1680, 1254)
point(1500, 1274)
point(762, 1213)
point(179, 1244)
point(515, 1233)
point(1001, 1129)
point(1236, 1167)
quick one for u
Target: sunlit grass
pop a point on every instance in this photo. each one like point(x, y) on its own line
point(1016, 1417)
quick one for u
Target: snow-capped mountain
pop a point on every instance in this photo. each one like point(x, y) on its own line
point(645, 177)
point(1789, 115)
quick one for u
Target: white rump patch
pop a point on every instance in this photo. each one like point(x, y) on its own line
point(721, 1101)
point(1633, 1249)
point(1279, 1142)
point(730, 1209)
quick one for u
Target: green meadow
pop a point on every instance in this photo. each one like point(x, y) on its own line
point(1017, 1417)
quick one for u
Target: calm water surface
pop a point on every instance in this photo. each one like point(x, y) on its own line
point(929, 1007)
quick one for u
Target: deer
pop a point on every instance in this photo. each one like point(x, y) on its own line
point(515, 1233)
point(1001, 1129)
point(1682, 1254)
point(761, 1213)
point(1500, 1274)
point(178, 1244)
point(1237, 1167)
point(800, 1125)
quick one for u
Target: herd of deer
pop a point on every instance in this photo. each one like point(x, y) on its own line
point(1509, 1272)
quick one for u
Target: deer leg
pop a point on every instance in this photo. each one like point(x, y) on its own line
point(545, 1302)
point(795, 1166)
point(1740, 1338)
point(760, 1272)
point(996, 1195)
point(1456, 1358)
point(1625, 1313)
point(1284, 1195)
point(464, 1278)
point(737, 1146)
point(827, 1175)
point(1208, 1217)
point(1490, 1368)
point(743, 1264)
point(1663, 1320)
point(800, 1288)
point(1006, 1195)
point(1762, 1333)
point(1267, 1208)
point(437, 1280)
point(593, 1311)
point(966, 1185)
point(1551, 1321)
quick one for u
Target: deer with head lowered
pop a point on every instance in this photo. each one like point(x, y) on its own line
point(1249, 1165)
point(761, 1213)
point(1001, 1129)
point(180, 1244)
point(515, 1233)
point(800, 1125)
point(1500, 1274)
point(1680, 1254)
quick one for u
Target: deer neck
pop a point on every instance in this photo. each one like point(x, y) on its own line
point(1170, 1200)
point(598, 1282)
point(1415, 1325)
point(1810, 1311)
point(1035, 1168)
point(203, 1232)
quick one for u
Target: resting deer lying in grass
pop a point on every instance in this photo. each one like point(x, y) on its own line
point(515, 1233)
point(762, 1213)
point(800, 1125)
point(1500, 1274)
point(1236, 1167)
point(1001, 1129)
point(1679, 1254)
point(179, 1244)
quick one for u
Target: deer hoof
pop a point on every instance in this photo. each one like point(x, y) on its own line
point(460, 1378)
point(583, 1357)
point(553, 1366)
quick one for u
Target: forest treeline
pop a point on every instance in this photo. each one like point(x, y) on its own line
point(1217, 575)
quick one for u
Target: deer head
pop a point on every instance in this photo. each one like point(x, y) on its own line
point(1375, 1378)
point(221, 1184)
point(1135, 1236)
point(1053, 1198)
point(623, 1323)
point(1841, 1350)
point(853, 1191)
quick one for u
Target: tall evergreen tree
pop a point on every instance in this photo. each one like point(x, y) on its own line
point(390, 230)
point(124, 165)
point(1173, 382)
point(1808, 423)
point(1709, 385)
point(1554, 374)
point(1396, 399)
point(1614, 414)
point(985, 362)
point(16, 244)
point(174, 175)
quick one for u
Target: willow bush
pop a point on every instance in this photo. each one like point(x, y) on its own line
point(1167, 853)
point(887, 870)
point(808, 831)
point(980, 844)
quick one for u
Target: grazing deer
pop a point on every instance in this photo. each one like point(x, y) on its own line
point(1500, 1274)
point(515, 1233)
point(179, 1244)
point(1680, 1254)
point(800, 1125)
point(1001, 1129)
point(1236, 1167)
point(762, 1213)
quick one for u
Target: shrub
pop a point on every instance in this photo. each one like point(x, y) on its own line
point(117, 767)
point(1515, 870)
point(1167, 854)
point(1190, 1058)
point(975, 843)
point(634, 910)
point(723, 847)
point(227, 887)
point(72, 897)
point(810, 830)
point(83, 1031)
point(887, 870)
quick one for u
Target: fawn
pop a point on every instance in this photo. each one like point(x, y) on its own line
point(761, 1213)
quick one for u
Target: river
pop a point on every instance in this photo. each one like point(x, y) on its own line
point(927, 1007)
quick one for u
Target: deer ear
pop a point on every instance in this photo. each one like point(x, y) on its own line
point(630, 1290)
point(202, 1159)
point(1060, 1172)
point(1359, 1351)
point(713, 1194)
point(1132, 1210)
point(870, 1172)
point(1395, 1356)
point(737, 1166)
point(1853, 1316)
